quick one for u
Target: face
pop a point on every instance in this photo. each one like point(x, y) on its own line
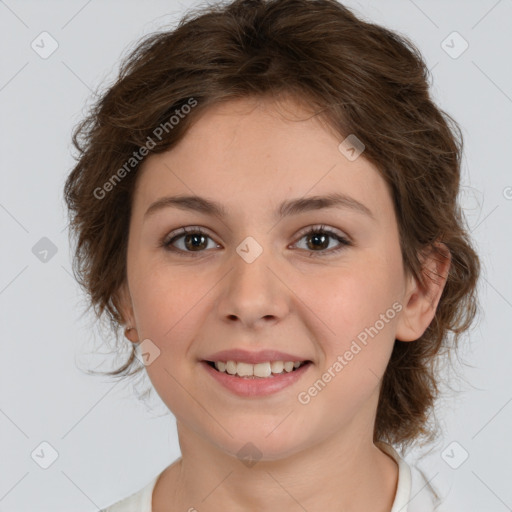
point(255, 280)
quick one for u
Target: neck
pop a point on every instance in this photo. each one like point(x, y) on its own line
point(336, 472)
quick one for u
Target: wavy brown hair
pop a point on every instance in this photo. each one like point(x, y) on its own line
point(359, 77)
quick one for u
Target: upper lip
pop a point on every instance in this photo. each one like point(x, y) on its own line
point(245, 356)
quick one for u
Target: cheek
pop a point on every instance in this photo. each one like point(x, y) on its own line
point(361, 317)
point(164, 298)
point(167, 313)
point(357, 304)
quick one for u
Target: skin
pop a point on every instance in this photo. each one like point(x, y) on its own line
point(247, 156)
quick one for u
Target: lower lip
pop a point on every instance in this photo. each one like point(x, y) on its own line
point(247, 387)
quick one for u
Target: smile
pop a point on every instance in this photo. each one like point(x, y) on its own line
point(259, 370)
point(256, 380)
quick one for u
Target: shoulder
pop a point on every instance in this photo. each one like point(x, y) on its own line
point(139, 501)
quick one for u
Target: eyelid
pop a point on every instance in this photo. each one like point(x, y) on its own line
point(322, 227)
point(184, 230)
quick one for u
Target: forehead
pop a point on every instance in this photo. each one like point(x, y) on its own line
point(252, 150)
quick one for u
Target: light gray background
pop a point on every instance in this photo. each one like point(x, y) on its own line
point(108, 443)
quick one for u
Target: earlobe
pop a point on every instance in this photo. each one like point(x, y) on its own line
point(421, 301)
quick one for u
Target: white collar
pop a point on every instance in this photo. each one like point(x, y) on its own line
point(413, 492)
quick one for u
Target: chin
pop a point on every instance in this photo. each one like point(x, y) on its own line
point(251, 447)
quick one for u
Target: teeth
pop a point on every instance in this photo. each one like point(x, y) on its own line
point(230, 367)
point(261, 370)
point(244, 369)
point(277, 366)
point(288, 366)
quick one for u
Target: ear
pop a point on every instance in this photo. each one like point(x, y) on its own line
point(420, 302)
point(122, 301)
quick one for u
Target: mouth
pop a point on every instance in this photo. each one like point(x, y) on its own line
point(266, 370)
point(256, 381)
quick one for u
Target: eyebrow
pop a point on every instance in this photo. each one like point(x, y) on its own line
point(287, 208)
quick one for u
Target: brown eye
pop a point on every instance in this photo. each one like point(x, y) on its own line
point(195, 240)
point(318, 241)
point(189, 240)
point(319, 238)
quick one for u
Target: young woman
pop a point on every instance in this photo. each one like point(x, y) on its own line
point(266, 201)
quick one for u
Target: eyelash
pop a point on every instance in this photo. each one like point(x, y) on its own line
point(168, 240)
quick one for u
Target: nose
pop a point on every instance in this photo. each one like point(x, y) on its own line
point(253, 293)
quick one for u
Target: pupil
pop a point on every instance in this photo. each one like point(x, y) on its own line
point(194, 237)
point(321, 237)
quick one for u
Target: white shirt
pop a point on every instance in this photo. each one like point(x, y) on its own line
point(413, 493)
